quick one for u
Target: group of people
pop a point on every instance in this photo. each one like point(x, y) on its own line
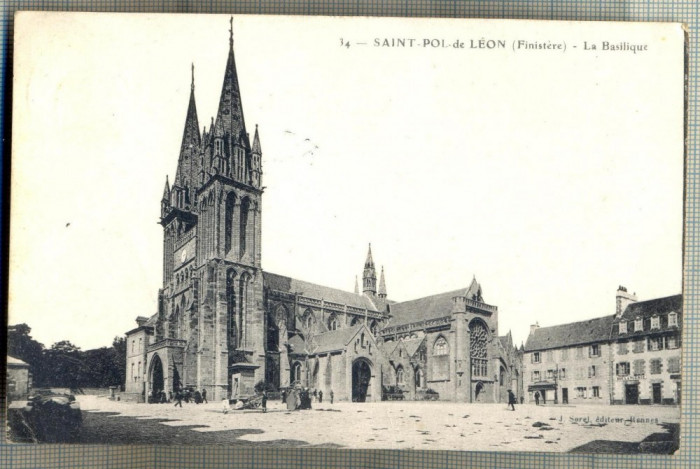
point(298, 398)
point(189, 396)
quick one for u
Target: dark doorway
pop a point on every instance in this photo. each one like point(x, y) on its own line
point(564, 395)
point(656, 393)
point(361, 377)
point(477, 390)
point(156, 375)
point(631, 393)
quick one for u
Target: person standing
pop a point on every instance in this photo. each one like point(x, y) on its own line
point(320, 397)
point(284, 396)
point(331, 396)
point(204, 396)
point(178, 399)
point(537, 398)
point(511, 399)
point(224, 405)
point(264, 401)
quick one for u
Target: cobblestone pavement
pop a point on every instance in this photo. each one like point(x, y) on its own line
point(412, 425)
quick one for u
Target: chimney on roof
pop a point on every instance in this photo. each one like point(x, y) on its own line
point(623, 299)
point(141, 320)
point(534, 327)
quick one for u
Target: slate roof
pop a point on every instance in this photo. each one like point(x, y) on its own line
point(412, 345)
point(645, 310)
point(296, 344)
point(429, 307)
point(312, 290)
point(334, 340)
point(506, 340)
point(649, 308)
point(566, 335)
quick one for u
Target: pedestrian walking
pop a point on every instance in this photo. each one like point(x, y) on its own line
point(178, 399)
point(331, 396)
point(224, 405)
point(204, 396)
point(537, 398)
point(511, 399)
point(264, 401)
point(197, 397)
point(284, 396)
point(320, 396)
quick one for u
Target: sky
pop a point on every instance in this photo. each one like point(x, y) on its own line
point(552, 177)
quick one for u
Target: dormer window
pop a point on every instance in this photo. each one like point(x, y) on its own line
point(655, 322)
point(623, 327)
point(673, 319)
point(638, 325)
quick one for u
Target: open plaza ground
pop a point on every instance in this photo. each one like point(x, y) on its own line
point(396, 425)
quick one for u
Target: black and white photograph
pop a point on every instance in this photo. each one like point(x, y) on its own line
point(346, 232)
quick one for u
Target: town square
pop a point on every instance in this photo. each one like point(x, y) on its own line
point(395, 424)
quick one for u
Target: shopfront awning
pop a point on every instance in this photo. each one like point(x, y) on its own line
point(542, 386)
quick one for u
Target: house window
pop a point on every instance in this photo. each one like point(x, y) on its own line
point(133, 345)
point(591, 371)
point(655, 366)
point(655, 323)
point(655, 343)
point(140, 345)
point(536, 357)
point(622, 369)
point(579, 352)
point(550, 374)
point(133, 376)
point(639, 367)
point(639, 345)
point(596, 391)
point(595, 350)
point(139, 370)
point(535, 375)
point(622, 348)
point(623, 327)
point(564, 354)
point(581, 393)
point(562, 373)
point(671, 342)
point(674, 365)
point(441, 347)
point(638, 325)
point(673, 319)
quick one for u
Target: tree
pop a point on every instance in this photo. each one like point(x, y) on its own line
point(64, 365)
point(21, 345)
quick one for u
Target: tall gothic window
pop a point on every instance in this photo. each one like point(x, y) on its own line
point(478, 335)
point(245, 206)
point(242, 310)
point(228, 213)
point(231, 308)
point(441, 347)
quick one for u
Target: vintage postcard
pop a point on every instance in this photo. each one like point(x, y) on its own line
point(264, 230)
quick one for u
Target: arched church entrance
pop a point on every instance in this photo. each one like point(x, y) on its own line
point(361, 380)
point(156, 380)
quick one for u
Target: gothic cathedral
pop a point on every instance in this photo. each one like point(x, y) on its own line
point(223, 325)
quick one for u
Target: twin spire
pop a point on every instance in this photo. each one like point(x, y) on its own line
point(224, 148)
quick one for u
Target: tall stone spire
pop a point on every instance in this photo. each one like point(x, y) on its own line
point(229, 118)
point(369, 277)
point(189, 148)
point(382, 285)
point(256, 161)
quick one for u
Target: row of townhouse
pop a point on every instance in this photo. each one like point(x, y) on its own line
point(631, 357)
